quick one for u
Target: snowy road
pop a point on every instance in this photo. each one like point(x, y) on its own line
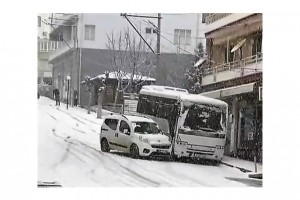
point(69, 153)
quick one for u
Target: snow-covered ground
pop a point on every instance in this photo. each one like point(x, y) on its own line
point(245, 164)
point(69, 153)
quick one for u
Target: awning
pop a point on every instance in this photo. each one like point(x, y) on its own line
point(217, 94)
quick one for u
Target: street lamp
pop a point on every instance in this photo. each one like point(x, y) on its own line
point(68, 78)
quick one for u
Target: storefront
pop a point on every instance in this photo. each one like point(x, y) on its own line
point(244, 132)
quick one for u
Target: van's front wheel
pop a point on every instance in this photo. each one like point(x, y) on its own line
point(134, 151)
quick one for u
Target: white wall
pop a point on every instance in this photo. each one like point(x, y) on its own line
point(44, 27)
point(106, 23)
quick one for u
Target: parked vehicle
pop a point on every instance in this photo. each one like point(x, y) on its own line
point(137, 135)
point(197, 124)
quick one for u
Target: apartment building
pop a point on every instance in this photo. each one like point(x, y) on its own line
point(234, 74)
point(84, 51)
point(44, 47)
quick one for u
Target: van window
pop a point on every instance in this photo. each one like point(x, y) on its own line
point(112, 123)
point(124, 125)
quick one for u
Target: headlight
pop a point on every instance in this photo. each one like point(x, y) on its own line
point(219, 147)
point(144, 139)
point(182, 143)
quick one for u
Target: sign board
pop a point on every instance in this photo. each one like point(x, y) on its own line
point(250, 135)
point(260, 93)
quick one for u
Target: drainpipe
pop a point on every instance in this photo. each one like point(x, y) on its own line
point(79, 78)
point(197, 29)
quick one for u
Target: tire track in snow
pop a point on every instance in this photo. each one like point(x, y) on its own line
point(131, 172)
point(88, 120)
point(71, 116)
point(126, 173)
point(52, 116)
point(76, 118)
point(168, 178)
point(80, 131)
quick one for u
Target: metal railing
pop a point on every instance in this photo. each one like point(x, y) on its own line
point(215, 16)
point(233, 65)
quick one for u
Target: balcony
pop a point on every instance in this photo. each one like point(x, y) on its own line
point(63, 19)
point(238, 68)
point(48, 46)
point(62, 49)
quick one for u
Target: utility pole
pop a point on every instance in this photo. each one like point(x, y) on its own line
point(158, 28)
point(158, 42)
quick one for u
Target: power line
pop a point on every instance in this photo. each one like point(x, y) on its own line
point(168, 39)
point(125, 15)
point(236, 24)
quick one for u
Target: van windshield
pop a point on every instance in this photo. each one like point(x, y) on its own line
point(146, 128)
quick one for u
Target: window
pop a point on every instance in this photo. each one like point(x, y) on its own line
point(47, 80)
point(148, 30)
point(182, 37)
point(39, 21)
point(123, 126)
point(60, 37)
point(43, 46)
point(230, 56)
point(111, 123)
point(54, 45)
point(89, 32)
point(256, 44)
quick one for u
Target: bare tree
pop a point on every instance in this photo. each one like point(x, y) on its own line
point(131, 60)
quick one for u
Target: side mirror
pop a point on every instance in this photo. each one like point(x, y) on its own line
point(126, 131)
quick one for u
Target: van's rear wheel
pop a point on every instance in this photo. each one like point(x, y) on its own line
point(134, 151)
point(104, 145)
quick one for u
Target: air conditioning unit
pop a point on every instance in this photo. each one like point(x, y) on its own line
point(260, 93)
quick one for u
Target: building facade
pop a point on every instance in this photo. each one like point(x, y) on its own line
point(234, 74)
point(85, 53)
point(44, 47)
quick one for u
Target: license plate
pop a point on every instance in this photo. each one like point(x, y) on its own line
point(199, 155)
point(162, 151)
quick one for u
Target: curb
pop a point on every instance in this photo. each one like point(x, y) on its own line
point(240, 168)
point(254, 175)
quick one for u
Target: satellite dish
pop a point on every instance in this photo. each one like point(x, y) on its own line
point(236, 47)
point(199, 62)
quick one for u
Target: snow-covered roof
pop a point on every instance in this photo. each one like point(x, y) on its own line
point(138, 118)
point(180, 94)
point(125, 76)
point(163, 91)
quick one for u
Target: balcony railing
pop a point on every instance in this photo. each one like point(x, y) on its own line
point(47, 46)
point(233, 65)
point(214, 17)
